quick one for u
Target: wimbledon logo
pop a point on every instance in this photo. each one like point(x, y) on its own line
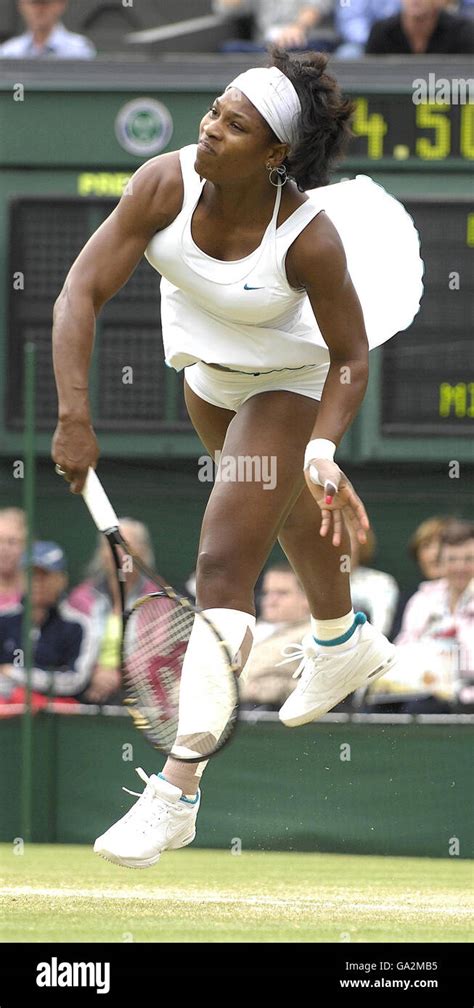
point(143, 127)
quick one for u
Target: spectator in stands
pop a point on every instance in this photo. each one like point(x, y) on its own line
point(372, 591)
point(424, 548)
point(12, 545)
point(436, 644)
point(285, 619)
point(423, 26)
point(64, 647)
point(98, 598)
point(290, 24)
point(46, 36)
point(447, 603)
point(353, 22)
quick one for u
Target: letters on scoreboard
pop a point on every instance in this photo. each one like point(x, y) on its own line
point(427, 383)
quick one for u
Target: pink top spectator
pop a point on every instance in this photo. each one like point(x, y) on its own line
point(9, 599)
point(428, 616)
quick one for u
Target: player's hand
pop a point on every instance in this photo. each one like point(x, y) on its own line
point(337, 500)
point(74, 449)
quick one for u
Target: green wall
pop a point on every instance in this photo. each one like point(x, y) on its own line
point(404, 790)
point(171, 500)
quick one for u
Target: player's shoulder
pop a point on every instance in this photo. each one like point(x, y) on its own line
point(319, 234)
point(153, 196)
point(159, 175)
point(318, 251)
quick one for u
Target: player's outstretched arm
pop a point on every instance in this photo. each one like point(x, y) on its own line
point(151, 202)
point(317, 262)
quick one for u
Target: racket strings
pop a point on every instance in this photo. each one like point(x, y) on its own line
point(191, 714)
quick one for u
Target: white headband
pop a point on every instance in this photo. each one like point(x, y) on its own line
point(275, 98)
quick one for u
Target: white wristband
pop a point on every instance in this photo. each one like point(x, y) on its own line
point(318, 448)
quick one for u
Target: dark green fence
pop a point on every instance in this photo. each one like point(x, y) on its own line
point(355, 788)
point(170, 499)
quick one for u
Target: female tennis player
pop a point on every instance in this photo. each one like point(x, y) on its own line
point(244, 253)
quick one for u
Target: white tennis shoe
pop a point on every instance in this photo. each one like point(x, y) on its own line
point(158, 821)
point(328, 674)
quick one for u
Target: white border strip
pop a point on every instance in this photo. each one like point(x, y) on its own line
point(297, 903)
point(253, 716)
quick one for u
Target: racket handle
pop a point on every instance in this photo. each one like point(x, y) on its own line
point(98, 503)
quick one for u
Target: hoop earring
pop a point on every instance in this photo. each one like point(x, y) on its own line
point(282, 174)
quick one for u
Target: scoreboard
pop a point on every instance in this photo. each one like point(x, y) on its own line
point(428, 372)
point(389, 129)
point(63, 170)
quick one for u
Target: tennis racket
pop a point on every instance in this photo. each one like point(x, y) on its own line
point(187, 710)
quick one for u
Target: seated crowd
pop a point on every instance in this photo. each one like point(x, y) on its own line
point(349, 29)
point(76, 633)
point(354, 29)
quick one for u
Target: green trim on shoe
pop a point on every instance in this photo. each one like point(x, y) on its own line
point(359, 619)
point(189, 801)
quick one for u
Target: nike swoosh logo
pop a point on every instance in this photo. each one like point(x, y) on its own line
point(246, 287)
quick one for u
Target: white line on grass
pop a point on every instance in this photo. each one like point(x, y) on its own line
point(420, 905)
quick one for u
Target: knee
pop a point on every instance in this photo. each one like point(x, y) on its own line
point(223, 579)
point(213, 565)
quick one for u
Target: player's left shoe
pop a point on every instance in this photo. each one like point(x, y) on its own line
point(160, 820)
point(327, 674)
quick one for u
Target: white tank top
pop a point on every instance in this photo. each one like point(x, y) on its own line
point(242, 314)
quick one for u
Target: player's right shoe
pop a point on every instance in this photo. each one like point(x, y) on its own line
point(160, 820)
point(327, 674)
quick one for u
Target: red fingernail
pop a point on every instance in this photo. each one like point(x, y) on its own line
point(328, 500)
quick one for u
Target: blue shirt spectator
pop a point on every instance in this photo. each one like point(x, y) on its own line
point(353, 22)
point(46, 36)
point(64, 650)
point(62, 655)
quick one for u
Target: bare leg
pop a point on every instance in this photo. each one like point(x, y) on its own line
point(321, 568)
point(314, 559)
point(242, 519)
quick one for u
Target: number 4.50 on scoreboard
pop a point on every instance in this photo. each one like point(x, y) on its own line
point(392, 128)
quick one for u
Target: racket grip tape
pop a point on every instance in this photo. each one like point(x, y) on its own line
point(98, 503)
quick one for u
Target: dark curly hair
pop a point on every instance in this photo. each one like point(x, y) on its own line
point(325, 120)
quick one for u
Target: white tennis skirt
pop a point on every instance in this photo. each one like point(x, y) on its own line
point(230, 390)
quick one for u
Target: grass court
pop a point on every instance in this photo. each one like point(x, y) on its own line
point(65, 893)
